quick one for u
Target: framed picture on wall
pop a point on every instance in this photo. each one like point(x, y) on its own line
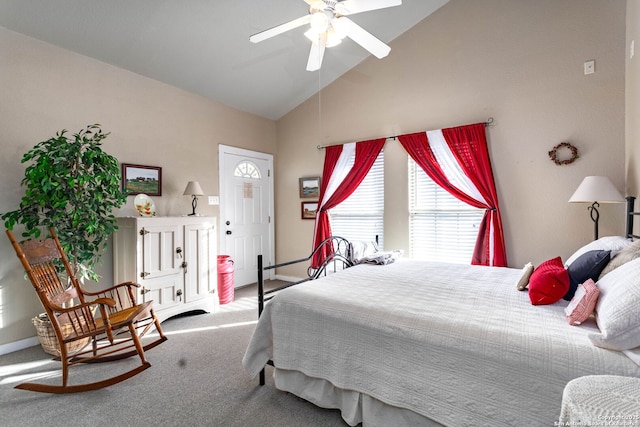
point(139, 179)
point(309, 187)
point(308, 210)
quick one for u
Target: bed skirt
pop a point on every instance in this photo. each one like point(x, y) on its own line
point(355, 407)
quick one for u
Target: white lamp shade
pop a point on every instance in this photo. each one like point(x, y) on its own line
point(193, 189)
point(596, 189)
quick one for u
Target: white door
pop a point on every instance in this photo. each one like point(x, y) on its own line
point(246, 210)
point(161, 272)
point(199, 253)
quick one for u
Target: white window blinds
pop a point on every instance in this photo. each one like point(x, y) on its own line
point(441, 227)
point(361, 215)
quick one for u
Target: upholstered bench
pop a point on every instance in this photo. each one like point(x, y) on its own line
point(601, 400)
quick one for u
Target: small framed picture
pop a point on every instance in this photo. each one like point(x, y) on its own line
point(139, 179)
point(308, 210)
point(310, 187)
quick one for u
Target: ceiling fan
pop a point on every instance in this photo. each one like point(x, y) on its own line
point(329, 25)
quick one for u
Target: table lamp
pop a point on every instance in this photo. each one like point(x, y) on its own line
point(193, 189)
point(596, 190)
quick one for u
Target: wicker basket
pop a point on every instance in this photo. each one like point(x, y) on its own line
point(49, 340)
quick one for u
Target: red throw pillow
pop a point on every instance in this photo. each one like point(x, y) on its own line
point(549, 282)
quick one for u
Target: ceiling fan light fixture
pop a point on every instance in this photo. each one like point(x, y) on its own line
point(319, 22)
point(340, 27)
point(333, 38)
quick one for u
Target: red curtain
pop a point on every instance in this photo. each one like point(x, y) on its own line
point(365, 155)
point(417, 145)
point(469, 147)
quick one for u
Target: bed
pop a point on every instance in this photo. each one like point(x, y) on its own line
point(406, 344)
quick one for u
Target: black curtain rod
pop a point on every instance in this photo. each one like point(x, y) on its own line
point(488, 122)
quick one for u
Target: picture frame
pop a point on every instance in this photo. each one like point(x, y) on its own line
point(140, 179)
point(308, 210)
point(309, 187)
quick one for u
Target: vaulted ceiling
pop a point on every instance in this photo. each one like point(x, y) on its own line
point(202, 46)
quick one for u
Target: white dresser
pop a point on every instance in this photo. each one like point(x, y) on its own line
point(173, 258)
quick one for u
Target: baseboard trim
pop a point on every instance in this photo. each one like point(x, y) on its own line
point(18, 345)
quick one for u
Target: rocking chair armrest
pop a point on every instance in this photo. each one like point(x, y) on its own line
point(126, 285)
point(121, 285)
point(123, 293)
point(104, 301)
point(99, 301)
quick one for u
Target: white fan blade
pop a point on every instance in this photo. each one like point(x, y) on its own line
point(258, 37)
point(316, 54)
point(366, 39)
point(316, 4)
point(349, 7)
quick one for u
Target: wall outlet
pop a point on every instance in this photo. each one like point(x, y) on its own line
point(590, 66)
point(214, 200)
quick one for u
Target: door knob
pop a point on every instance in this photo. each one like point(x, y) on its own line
point(229, 232)
point(228, 222)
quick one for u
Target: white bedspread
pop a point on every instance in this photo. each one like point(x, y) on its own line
point(458, 344)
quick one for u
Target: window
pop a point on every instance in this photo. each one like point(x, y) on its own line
point(361, 216)
point(441, 227)
point(247, 169)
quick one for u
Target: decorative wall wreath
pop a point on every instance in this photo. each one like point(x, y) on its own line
point(553, 154)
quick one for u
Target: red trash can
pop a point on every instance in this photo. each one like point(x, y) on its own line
point(225, 279)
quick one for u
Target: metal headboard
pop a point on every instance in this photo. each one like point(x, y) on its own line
point(631, 214)
point(338, 253)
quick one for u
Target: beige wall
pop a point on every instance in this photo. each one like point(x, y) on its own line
point(633, 100)
point(46, 89)
point(518, 61)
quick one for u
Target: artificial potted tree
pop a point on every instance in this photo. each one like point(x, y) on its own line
point(71, 184)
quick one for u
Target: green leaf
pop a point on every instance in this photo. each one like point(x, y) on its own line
point(73, 185)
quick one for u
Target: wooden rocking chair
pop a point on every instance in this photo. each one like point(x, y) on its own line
point(111, 319)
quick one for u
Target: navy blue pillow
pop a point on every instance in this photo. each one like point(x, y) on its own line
point(587, 266)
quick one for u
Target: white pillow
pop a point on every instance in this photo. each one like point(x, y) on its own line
point(617, 309)
point(631, 252)
point(608, 243)
point(360, 249)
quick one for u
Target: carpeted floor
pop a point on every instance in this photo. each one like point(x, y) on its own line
point(196, 379)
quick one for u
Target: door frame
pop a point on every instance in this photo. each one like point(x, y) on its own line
point(250, 154)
